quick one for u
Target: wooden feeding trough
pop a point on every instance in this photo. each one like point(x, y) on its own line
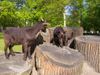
point(89, 46)
point(52, 60)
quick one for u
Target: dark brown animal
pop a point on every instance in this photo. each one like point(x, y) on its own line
point(39, 40)
point(23, 36)
point(59, 38)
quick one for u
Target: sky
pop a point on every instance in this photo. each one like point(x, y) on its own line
point(68, 10)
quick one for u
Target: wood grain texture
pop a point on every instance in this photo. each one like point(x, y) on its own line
point(49, 63)
point(89, 46)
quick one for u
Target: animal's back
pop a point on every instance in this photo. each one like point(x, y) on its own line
point(14, 35)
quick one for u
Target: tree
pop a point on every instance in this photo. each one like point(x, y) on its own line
point(50, 10)
point(31, 11)
point(27, 12)
point(75, 8)
point(85, 13)
point(7, 14)
point(92, 18)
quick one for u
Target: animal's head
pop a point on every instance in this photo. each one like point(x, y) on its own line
point(59, 32)
point(60, 35)
point(44, 26)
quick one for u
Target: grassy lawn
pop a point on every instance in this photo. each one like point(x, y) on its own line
point(16, 48)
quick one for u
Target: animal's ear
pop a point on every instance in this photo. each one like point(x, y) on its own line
point(41, 19)
point(46, 24)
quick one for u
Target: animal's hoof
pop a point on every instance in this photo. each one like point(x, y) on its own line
point(7, 57)
point(30, 57)
point(24, 58)
point(13, 54)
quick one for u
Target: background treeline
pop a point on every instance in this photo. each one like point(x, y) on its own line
point(21, 13)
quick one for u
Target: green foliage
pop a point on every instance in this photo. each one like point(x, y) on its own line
point(7, 14)
point(75, 18)
point(92, 18)
point(18, 12)
point(50, 10)
point(84, 13)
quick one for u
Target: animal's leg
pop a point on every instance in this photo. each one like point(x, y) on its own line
point(61, 42)
point(25, 52)
point(6, 53)
point(22, 48)
point(29, 53)
point(65, 41)
point(11, 50)
point(52, 41)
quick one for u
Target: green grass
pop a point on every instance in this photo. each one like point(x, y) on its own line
point(16, 48)
point(1, 35)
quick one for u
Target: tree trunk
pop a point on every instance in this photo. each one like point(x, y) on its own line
point(89, 46)
point(52, 60)
point(14, 66)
